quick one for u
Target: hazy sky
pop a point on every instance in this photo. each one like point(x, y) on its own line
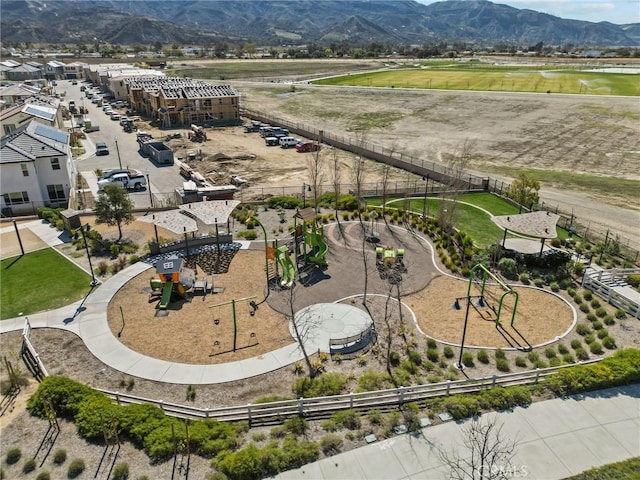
point(614, 11)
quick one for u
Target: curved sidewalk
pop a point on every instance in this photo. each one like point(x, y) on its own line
point(88, 320)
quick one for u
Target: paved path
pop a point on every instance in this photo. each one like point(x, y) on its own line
point(557, 438)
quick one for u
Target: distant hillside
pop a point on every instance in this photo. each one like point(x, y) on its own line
point(274, 22)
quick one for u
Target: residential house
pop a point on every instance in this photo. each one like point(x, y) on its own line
point(23, 72)
point(40, 108)
point(74, 70)
point(17, 93)
point(36, 169)
point(118, 80)
point(54, 70)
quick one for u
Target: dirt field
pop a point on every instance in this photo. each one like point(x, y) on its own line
point(564, 133)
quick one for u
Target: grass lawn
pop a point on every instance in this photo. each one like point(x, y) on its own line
point(38, 281)
point(489, 78)
point(473, 221)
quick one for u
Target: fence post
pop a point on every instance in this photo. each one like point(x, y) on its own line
point(448, 386)
point(206, 412)
point(161, 405)
point(537, 375)
point(249, 414)
point(118, 398)
point(351, 400)
point(301, 407)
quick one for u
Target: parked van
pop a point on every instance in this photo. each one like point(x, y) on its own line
point(286, 142)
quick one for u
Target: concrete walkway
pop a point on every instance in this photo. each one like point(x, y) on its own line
point(556, 439)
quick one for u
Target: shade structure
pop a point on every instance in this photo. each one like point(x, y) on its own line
point(173, 220)
point(210, 212)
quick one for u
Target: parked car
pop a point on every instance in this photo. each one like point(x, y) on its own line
point(271, 141)
point(115, 116)
point(102, 149)
point(124, 180)
point(286, 142)
point(132, 172)
point(307, 147)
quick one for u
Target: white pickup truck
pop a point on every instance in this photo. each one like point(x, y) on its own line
point(128, 181)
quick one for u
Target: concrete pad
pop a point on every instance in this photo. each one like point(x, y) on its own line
point(146, 367)
point(541, 461)
point(438, 473)
point(627, 433)
point(311, 471)
point(572, 452)
point(380, 461)
point(603, 446)
point(514, 424)
point(346, 465)
point(416, 454)
point(559, 417)
point(607, 409)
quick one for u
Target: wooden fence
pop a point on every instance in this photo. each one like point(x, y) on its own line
point(610, 285)
point(30, 356)
point(322, 407)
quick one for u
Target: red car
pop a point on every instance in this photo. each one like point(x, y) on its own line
point(307, 147)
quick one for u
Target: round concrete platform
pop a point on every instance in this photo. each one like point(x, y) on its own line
point(320, 322)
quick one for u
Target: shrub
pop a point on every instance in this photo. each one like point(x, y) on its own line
point(431, 343)
point(620, 314)
point(394, 359)
point(460, 406)
point(64, 394)
point(76, 467)
point(43, 476)
point(555, 362)
point(584, 308)
point(467, 359)
point(500, 353)
point(575, 344)
point(60, 456)
point(562, 349)
point(482, 356)
point(581, 354)
point(13, 456)
point(248, 234)
point(414, 357)
point(349, 419)
point(502, 364)
point(29, 465)
point(524, 278)
point(601, 312)
point(577, 298)
point(609, 343)
point(120, 471)
point(592, 317)
point(533, 357)
point(608, 320)
point(589, 338)
point(583, 329)
point(448, 352)
point(331, 383)
point(595, 347)
point(508, 267)
point(538, 282)
point(588, 296)
point(432, 354)
point(540, 364)
point(375, 416)
point(550, 352)
point(603, 332)
point(373, 380)
point(521, 362)
point(554, 287)
point(330, 444)
point(568, 358)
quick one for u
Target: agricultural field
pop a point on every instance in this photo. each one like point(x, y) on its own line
point(543, 79)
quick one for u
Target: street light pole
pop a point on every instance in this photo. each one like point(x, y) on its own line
point(149, 188)
point(304, 194)
point(118, 150)
point(94, 281)
point(425, 208)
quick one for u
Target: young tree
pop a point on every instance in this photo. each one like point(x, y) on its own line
point(457, 167)
point(524, 190)
point(316, 174)
point(486, 453)
point(334, 165)
point(114, 207)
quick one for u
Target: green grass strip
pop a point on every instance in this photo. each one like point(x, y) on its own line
point(38, 281)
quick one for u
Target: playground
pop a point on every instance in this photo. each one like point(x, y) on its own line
point(230, 319)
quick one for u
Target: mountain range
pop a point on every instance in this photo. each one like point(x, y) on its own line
point(281, 22)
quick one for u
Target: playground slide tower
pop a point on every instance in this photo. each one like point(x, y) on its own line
point(287, 266)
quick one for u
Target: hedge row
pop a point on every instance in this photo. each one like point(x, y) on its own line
point(145, 425)
point(623, 368)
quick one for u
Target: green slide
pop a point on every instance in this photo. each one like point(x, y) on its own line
point(287, 266)
point(320, 248)
point(166, 296)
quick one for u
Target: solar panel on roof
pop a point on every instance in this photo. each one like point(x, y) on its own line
point(31, 110)
point(51, 133)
